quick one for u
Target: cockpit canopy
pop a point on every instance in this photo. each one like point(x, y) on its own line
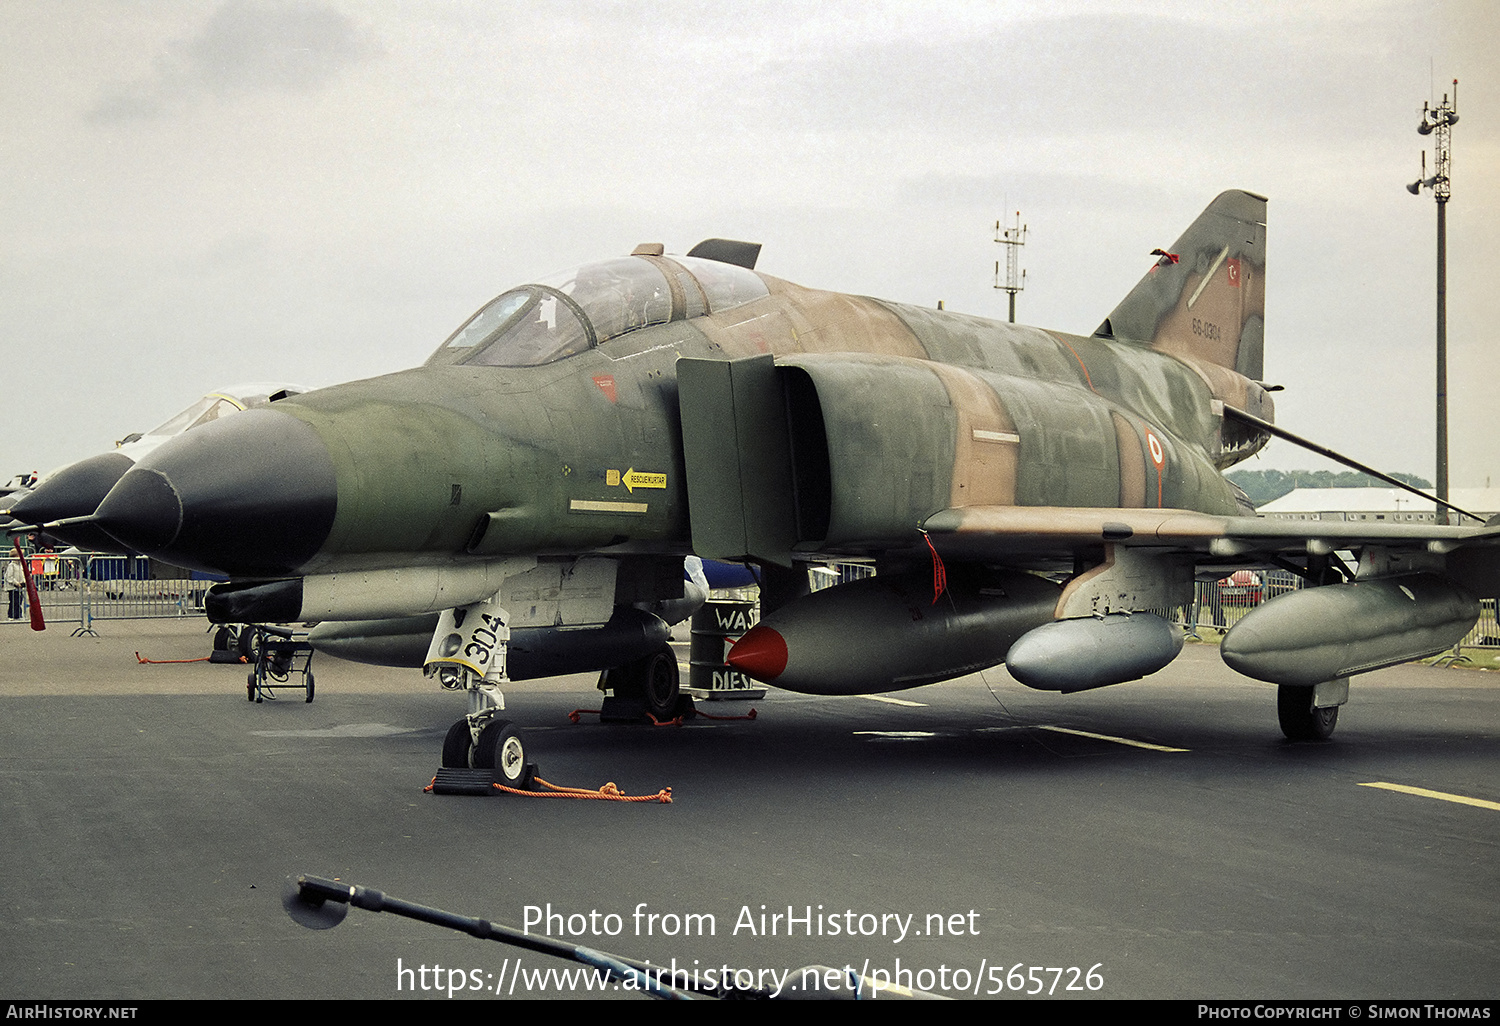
point(221, 403)
point(570, 312)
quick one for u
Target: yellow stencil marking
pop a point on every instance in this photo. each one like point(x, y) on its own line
point(594, 506)
point(634, 479)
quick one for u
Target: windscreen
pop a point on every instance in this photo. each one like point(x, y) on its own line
point(569, 312)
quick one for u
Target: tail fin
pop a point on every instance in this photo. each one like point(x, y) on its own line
point(1206, 297)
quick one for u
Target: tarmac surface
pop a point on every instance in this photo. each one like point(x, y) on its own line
point(149, 815)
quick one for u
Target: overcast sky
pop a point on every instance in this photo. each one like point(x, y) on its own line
point(197, 194)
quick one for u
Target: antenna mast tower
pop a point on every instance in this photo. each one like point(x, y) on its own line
point(1437, 122)
point(1013, 238)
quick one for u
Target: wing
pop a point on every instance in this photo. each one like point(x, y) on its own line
point(1037, 537)
point(1002, 532)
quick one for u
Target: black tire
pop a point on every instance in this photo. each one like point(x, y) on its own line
point(456, 745)
point(250, 688)
point(659, 683)
point(309, 688)
point(249, 643)
point(501, 748)
point(1299, 720)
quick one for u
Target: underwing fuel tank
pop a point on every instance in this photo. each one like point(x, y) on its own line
point(1318, 634)
point(886, 633)
point(1092, 652)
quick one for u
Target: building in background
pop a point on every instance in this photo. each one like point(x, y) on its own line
point(1375, 504)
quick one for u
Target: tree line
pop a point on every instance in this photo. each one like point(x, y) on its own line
point(1264, 485)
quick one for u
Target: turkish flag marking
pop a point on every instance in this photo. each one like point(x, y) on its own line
point(1159, 458)
point(1234, 272)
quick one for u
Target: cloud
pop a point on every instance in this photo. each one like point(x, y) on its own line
point(246, 46)
point(1104, 74)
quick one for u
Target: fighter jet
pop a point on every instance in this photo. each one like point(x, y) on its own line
point(75, 490)
point(1029, 497)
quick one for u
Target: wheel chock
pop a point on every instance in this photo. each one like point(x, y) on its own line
point(478, 782)
point(616, 709)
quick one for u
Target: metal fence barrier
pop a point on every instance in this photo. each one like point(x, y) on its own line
point(1223, 603)
point(84, 587)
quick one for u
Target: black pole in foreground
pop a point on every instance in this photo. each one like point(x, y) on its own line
point(321, 904)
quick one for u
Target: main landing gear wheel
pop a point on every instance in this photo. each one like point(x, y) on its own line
point(1299, 720)
point(500, 748)
point(648, 685)
point(660, 682)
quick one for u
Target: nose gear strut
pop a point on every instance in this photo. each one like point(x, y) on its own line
point(468, 651)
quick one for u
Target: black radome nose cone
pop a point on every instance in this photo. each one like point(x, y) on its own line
point(144, 511)
point(74, 491)
point(252, 495)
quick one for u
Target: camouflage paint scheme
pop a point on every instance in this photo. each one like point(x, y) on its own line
point(936, 411)
point(746, 417)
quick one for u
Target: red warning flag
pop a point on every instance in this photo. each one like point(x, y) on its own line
point(37, 623)
point(939, 571)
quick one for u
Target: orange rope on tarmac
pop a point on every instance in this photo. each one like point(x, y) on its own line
point(142, 659)
point(608, 793)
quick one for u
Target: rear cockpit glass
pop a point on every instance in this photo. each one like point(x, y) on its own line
point(573, 311)
point(618, 295)
point(726, 286)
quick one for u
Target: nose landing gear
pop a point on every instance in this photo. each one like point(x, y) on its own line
point(468, 652)
point(497, 745)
